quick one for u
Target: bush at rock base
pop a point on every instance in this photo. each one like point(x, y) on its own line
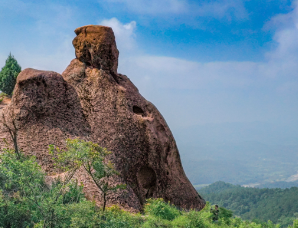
point(159, 208)
point(27, 201)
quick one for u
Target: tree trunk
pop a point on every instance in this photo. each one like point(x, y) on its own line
point(104, 201)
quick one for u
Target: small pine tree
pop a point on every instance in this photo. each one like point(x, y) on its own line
point(9, 74)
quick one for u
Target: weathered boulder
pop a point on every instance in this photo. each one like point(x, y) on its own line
point(95, 46)
point(91, 101)
point(46, 110)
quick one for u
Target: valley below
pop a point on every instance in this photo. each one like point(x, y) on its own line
point(249, 154)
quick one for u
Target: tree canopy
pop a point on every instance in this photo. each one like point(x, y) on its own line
point(277, 205)
point(27, 200)
point(8, 75)
point(92, 158)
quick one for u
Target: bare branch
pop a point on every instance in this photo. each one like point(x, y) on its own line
point(13, 131)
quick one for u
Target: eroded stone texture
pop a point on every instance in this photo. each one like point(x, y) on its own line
point(95, 46)
point(47, 110)
point(91, 103)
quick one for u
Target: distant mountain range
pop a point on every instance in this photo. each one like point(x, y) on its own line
point(252, 154)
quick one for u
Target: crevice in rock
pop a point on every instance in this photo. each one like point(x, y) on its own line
point(89, 58)
point(115, 76)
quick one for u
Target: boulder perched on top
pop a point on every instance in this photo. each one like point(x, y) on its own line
point(91, 101)
point(95, 46)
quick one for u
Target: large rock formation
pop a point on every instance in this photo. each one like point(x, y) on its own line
point(90, 100)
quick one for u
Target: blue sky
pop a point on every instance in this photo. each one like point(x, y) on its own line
point(199, 62)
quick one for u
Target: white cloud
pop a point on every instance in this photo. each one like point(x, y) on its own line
point(214, 8)
point(220, 9)
point(280, 64)
point(124, 33)
point(166, 72)
point(152, 6)
point(219, 86)
point(286, 36)
point(175, 73)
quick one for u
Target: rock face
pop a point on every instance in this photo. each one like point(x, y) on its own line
point(91, 101)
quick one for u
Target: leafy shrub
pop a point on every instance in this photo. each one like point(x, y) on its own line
point(161, 209)
point(183, 221)
point(92, 158)
point(156, 222)
point(112, 217)
point(2, 96)
point(200, 219)
point(116, 217)
point(295, 224)
point(25, 199)
point(225, 215)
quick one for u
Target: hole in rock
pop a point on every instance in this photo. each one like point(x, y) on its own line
point(44, 83)
point(137, 110)
point(168, 149)
point(147, 179)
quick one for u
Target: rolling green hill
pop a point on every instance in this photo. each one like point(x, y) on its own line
point(278, 205)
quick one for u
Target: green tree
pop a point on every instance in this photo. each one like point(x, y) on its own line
point(92, 158)
point(9, 74)
point(259, 205)
point(26, 199)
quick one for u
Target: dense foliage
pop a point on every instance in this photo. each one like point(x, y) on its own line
point(9, 74)
point(27, 200)
point(277, 205)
